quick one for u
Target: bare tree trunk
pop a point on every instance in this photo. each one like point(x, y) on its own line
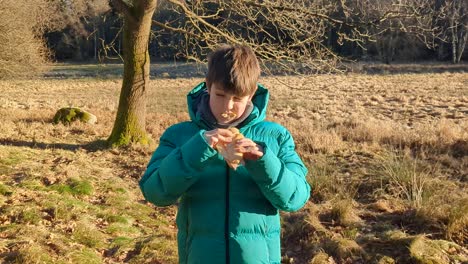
point(463, 37)
point(454, 30)
point(129, 126)
point(95, 42)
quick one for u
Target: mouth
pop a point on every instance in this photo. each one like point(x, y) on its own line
point(229, 115)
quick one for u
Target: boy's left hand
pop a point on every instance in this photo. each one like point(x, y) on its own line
point(249, 149)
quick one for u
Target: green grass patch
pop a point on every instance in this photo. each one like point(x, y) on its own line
point(13, 158)
point(120, 245)
point(75, 186)
point(10, 158)
point(30, 216)
point(87, 234)
point(122, 241)
point(154, 249)
point(85, 256)
point(63, 207)
point(33, 184)
point(5, 190)
point(33, 254)
point(120, 229)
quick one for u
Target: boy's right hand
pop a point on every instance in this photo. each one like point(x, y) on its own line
point(219, 135)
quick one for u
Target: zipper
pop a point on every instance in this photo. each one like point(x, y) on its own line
point(226, 217)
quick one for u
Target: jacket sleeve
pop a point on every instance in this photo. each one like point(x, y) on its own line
point(173, 169)
point(282, 177)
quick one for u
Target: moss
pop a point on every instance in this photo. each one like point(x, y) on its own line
point(70, 114)
point(128, 131)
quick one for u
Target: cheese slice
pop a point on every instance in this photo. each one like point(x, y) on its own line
point(228, 151)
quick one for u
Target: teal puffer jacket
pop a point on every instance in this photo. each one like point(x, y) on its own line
point(227, 216)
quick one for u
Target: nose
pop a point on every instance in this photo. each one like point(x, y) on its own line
point(229, 103)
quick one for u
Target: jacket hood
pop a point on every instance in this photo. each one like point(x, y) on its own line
point(258, 114)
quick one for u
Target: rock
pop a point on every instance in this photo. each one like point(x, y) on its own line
point(68, 115)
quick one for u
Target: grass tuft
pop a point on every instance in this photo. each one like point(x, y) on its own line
point(5, 190)
point(457, 226)
point(75, 186)
point(343, 213)
point(405, 177)
point(427, 251)
point(87, 234)
point(85, 256)
point(321, 258)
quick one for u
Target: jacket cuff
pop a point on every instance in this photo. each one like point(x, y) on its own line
point(196, 151)
point(265, 170)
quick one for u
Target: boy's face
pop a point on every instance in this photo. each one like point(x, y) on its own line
point(226, 107)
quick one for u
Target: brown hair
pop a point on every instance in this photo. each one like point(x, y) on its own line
point(235, 68)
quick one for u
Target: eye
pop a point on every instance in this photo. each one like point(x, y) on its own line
point(219, 94)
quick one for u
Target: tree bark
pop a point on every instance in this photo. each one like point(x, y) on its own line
point(130, 122)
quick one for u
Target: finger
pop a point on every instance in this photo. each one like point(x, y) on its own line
point(225, 132)
point(253, 155)
point(214, 141)
point(223, 138)
point(245, 143)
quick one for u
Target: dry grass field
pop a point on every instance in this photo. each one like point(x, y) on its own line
point(387, 155)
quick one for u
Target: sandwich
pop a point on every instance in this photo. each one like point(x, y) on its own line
point(232, 157)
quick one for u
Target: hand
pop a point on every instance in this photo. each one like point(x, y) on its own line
point(219, 135)
point(249, 149)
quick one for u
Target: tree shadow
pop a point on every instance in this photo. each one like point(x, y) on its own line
point(90, 147)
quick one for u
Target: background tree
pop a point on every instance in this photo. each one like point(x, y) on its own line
point(86, 25)
point(437, 24)
point(24, 24)
point(455, 14)
point(130, 122)
point(23, 52)
point(286, 35)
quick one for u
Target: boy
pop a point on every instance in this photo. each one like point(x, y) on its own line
point(226, 215)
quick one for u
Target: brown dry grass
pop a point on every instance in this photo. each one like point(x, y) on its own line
point(66, 199)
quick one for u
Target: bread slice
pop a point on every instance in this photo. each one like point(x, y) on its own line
point(228, 151)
